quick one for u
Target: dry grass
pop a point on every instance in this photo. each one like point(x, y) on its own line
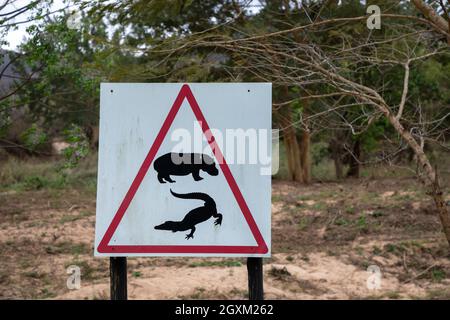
point(324, 237)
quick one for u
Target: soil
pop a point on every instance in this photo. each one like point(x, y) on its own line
point(325, 238)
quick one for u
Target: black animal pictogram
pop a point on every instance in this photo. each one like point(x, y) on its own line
point(182, 164)
point(195, 216)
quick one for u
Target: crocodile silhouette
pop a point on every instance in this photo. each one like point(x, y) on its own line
point(195, 216)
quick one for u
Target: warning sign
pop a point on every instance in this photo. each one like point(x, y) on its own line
point(184, 170)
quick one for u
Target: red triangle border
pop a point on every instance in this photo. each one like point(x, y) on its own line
point(105, 247)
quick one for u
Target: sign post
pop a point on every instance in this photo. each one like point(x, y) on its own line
point(118, 278)
point(255, 279)
point(184, 170)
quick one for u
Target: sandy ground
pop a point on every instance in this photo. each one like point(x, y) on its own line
point(325, 237)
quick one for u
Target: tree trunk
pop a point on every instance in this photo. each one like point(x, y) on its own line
point(338, 167)
point(292, 146)
point(354, 162)
point(293, 155)
point(305, 156)
point(337, 151)
point(443, 213)
point(433, 16)
point(94, 137)
point(429, 174)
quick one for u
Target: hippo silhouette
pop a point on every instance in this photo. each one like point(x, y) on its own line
point(183, 164)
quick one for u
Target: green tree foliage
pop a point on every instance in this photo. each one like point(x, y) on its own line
point(135, 40)
point(63, 90)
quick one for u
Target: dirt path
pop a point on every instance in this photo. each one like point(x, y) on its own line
point(325, 236)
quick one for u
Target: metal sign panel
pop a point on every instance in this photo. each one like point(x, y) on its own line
point(184, 170)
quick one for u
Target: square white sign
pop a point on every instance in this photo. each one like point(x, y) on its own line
point(184, 170)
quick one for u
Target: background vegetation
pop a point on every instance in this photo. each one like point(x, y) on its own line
point(353, 104)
